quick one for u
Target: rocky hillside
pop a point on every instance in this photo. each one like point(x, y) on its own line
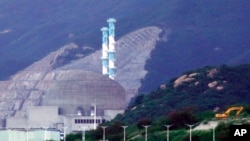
point(203, 89)
point(41, 27)
point(72, 72)
point(132, 52)
point(202, 32)
point(67, 89)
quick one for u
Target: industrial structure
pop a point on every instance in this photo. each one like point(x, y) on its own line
point(108, 49)
point(37, 118)
point(69, 101)
point(105, 51)
point(38, 102)
point(228, 111)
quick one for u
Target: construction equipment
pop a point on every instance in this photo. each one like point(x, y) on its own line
point(226, 114)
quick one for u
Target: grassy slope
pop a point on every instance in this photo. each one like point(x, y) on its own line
point(189, 103)
point(234, 80)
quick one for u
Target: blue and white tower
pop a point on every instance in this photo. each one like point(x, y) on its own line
point(105, 50)
point(111, 48)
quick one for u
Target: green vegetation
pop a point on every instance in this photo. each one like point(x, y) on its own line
point(202, 33)
point(74, 137)
point(157, 132)
point(202, 90)
point(154, 134)
point(187, 103)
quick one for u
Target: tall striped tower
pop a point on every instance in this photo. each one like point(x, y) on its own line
point(105, 51)
point(111, 51)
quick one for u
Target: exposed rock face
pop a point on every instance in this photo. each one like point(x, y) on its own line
point(66, 89)
point(79, 83)
point(60, 57)
point(184, 78)
point(212, 84)
point(132, 52)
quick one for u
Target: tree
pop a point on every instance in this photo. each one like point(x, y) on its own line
point(114, 131)
point(143, 121)
point(73, 137)
point(180, 118)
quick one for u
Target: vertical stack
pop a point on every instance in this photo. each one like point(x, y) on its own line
point(108, 49)
point(105, 50)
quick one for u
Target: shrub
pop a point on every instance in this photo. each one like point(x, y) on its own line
point(222, 132)
point(180, 118)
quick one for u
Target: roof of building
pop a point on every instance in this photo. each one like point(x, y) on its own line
point(73, 89)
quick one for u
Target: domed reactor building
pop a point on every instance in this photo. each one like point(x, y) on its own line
point(74, 99)
point(71, 100)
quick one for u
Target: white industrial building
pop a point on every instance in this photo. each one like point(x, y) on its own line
point(45, 117)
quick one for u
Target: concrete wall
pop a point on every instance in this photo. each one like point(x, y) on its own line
point(37, 117)
point(43, 112)
point(43, 116)
point(15, 122)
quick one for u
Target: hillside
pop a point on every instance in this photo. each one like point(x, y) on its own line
point(200, 33)
point(71, 70)
point(31, 30)
point(132, 52)
point(192, 98)
point(201, 90)
point(203, 33)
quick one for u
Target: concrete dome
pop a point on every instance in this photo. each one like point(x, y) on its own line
point(73, 89)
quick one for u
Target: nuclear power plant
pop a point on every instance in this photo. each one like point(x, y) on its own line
point(108, 49)
point(65, 100)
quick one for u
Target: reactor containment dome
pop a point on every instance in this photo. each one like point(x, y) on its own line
point(74, 89)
